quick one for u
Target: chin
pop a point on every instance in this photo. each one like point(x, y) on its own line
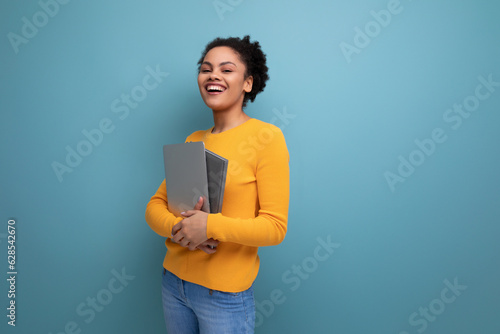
point(216, 106)
point(220, 104)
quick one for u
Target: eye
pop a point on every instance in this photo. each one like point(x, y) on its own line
point(227, 71)
point(204, 70)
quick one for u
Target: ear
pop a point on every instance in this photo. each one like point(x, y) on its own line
point(247, 85)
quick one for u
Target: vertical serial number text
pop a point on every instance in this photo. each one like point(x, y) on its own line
point(12, 272)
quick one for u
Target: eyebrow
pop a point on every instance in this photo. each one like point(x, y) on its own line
point(221, 64)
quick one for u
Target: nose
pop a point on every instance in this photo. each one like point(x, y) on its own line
point(213, 76)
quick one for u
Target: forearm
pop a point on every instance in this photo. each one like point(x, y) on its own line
point(269, 226)
point(263, 230)
point(158, 217)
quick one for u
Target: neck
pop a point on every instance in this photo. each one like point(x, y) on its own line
point(225, 120)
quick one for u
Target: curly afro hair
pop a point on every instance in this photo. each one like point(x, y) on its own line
point(251, 55)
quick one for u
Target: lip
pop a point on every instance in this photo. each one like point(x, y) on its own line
point(214, 84)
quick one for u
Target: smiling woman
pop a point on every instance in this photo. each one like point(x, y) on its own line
point(212, 260)
point(224, 81)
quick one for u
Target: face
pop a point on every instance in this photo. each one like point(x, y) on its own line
point(222, 81)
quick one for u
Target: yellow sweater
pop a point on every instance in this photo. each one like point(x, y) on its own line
point(254, 211)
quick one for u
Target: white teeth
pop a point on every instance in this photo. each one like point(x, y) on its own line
point(215, 87)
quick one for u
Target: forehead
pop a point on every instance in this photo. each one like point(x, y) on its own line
point(221, 54)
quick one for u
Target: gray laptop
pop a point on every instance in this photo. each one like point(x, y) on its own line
point(192, 171)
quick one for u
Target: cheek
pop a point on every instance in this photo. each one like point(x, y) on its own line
point(200, 85)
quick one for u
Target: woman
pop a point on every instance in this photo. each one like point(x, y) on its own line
point(211, 261)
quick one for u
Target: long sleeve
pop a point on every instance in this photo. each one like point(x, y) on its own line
point(254, 210)
point(273, 187)
point(157, 215)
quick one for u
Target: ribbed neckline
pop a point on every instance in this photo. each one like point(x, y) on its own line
point(209, 133)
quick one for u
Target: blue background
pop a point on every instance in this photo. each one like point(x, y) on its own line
point(350, 118)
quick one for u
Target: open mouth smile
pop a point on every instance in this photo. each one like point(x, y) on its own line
point(214, 89)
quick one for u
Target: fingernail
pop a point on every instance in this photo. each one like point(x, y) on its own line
point(183, 213)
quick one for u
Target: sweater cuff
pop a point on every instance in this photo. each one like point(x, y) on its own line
point(211, 225)
point(215, 221)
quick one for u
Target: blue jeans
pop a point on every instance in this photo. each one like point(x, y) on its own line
point(191, 308)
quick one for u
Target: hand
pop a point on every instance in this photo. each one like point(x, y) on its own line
point(191, 232)
point(209, 246)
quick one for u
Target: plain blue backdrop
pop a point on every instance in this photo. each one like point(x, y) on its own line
point(357, 87)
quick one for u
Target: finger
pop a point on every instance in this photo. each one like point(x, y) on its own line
point(206, 249)
point(199, 204)
point(184, 242)
point(189, 213)
point(176, 228)
point(177, 238)
point(192, 246)
point(211, 242)
point(202, 248)
point(178, 235)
